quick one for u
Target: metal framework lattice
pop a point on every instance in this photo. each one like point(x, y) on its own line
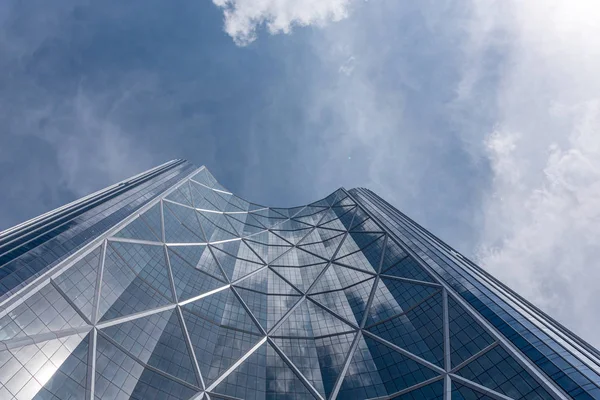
point(201, 294)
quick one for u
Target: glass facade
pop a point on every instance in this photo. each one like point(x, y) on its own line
point(168, 286)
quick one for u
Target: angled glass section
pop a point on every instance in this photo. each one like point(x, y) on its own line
point(139, 284)
point(217, 347)
point(267, 309)
point(223, 308)
point(499, 371)
point(51, 369)
point(282, 381)
point(350, 302)
point(420, 330)
point(368, 257)
point(153, 218)
point(44, 312)
point(301, 277)
point(198, 257)
point(467, 337)
point(181, 224)
point(393, 297)
point(181, 195)
point(156, 340)
point(138, 229)
point(79, 282)
point(302, 352)
point(311, 320)
point(377, 370)
point(333, 351)
point(249, 380)
point(322, 248)
point(119, 376)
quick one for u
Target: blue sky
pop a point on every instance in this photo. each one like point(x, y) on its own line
point(478, 119)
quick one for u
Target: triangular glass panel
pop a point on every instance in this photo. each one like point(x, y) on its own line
point(433, 391)
point(269, 238)
point(325, 248)
point(43, 312)
point(499, 371)
point(467, 337)
point(392, 255)
point(407, 267)
point(153, 218)
point(281, 380)
point(217, 348)
point(235, 268)
point(349, 303)
point(346, 218)
point(349, 276)
point(461, 392)
point(369, 244)
point(307, 219)
point(78, 283)
point(187, 216)
point(181, 195)
point(202, 197)
point(366, 226)
point(420, 330)
point(255, 220)
point(120, 376)
point(326, 234)
point(223, 308)
point(127, 289)
point(198, 257)
point(303, 354)
point(359, 217)
point(377, 370)
point(329, 215)
point(52, 369)
point(156, 340)
point(291, 275)
point(291, 225)
point(267, 309)
point(326, 282)
point(204, 177)
point(338, 303)
point(138, 229)
point(333, 351)
point(147, 261)
point(239, 249)
point(296, 257)
point(253, 372)
point(266, 252)
point(266, 281)
point(70, 379)
point(334, 225)
point(189, 281)
point(346, 201)
point(311, 320)
point(394, 297)
point(215, 226)
point(239, 203)
point(236, 224)
point(175, 231)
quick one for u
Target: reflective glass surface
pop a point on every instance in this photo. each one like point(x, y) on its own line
point(202, 294)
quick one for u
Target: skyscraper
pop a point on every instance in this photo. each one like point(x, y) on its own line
point(168, 286)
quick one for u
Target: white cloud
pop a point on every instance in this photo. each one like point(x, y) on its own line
point(244, 17)
point(541, 230)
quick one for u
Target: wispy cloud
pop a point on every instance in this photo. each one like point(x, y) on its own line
point(541, 233)
point(244, 17)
